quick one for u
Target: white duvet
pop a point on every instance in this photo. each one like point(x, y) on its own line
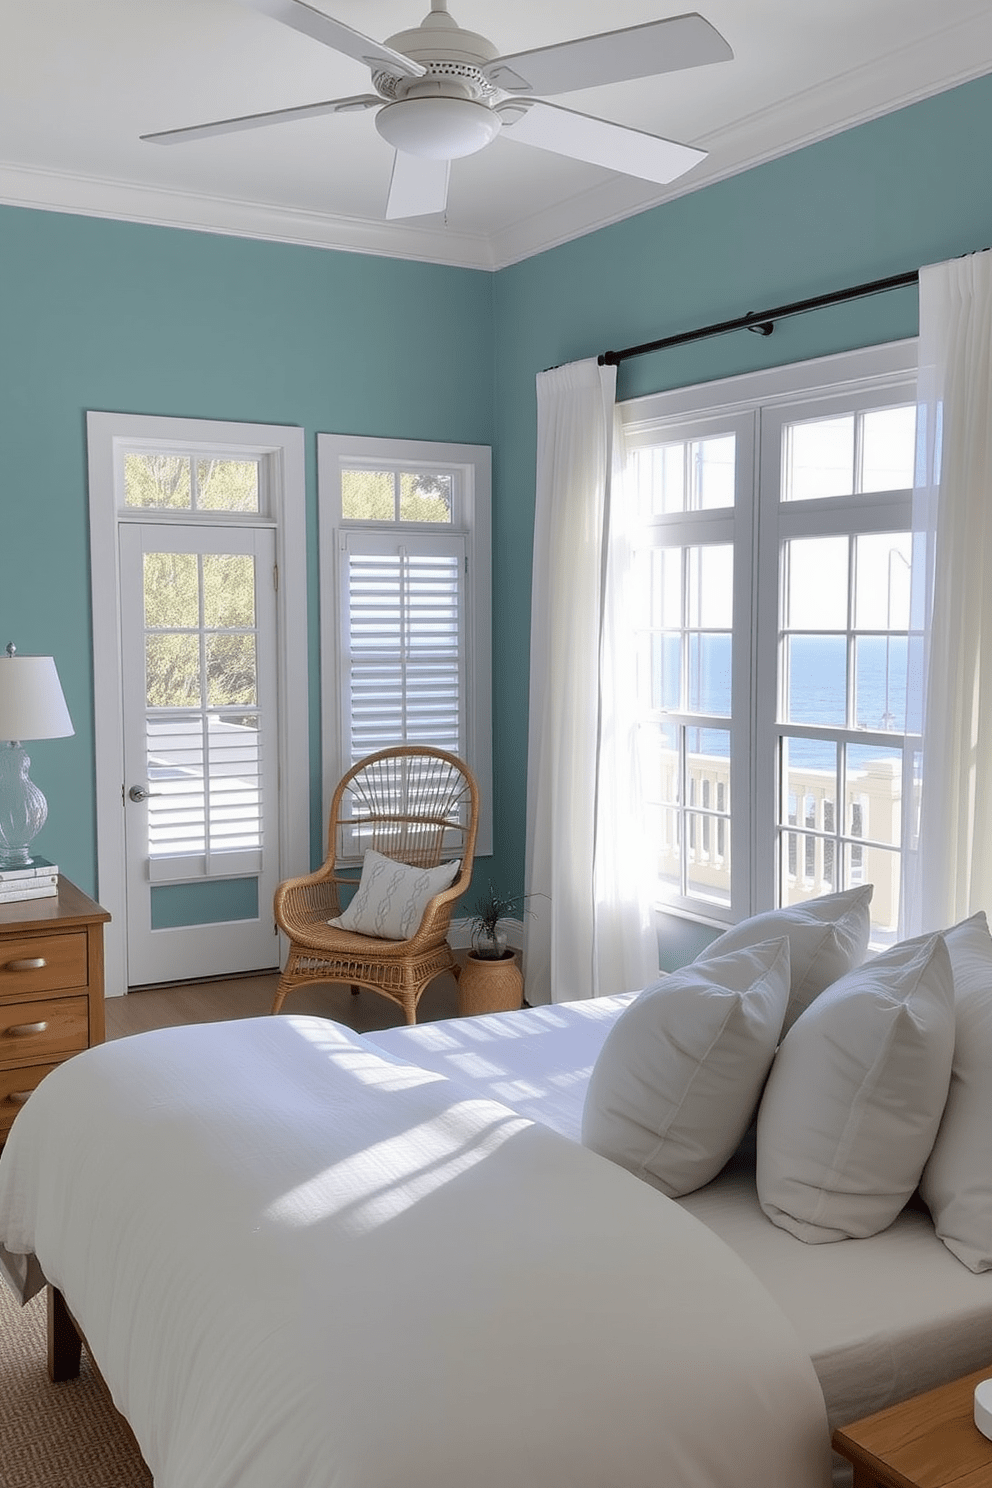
point(301, 1264)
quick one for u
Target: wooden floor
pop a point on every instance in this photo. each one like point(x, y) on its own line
point(251, 997)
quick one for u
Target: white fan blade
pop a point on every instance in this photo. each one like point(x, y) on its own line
point(336, 34)
point(612, 57)
point(258, 121)
point(581, 137)
point(417, 186)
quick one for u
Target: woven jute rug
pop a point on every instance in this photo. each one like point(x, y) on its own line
point(56, 1436)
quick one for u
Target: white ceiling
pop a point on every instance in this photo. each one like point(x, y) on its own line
point(80, 80)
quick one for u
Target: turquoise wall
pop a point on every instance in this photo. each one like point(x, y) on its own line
point(106, 315)
point(904, 190)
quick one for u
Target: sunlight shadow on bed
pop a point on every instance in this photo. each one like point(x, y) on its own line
point(352, 1191)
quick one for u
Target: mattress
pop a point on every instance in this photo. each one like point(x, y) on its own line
point(881, 1319)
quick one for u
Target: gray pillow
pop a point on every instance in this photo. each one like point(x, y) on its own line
point(827, 938)
point(678, 1078)
point(855, 1096)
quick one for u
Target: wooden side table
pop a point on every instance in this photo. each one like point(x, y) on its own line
point(51, 989)
point(930, 1441)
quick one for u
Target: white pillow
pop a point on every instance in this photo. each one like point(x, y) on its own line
point(855, 1096)
point(391, 897)
point(680, 1073)
point(957, 1180)
point(827, 938)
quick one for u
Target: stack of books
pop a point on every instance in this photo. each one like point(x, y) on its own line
point(39, 879)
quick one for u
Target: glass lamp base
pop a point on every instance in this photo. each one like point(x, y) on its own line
point(23, 808)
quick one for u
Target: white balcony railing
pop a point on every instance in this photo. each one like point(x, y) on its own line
point(868, 833)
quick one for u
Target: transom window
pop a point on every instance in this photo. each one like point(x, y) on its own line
point(158, 481)
point(397, 496)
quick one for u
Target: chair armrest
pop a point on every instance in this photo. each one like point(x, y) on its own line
point(308, 899)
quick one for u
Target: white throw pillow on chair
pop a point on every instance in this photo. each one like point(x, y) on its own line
point(391, 897)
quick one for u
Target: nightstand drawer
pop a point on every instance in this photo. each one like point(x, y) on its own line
point(43, 1029)
point(15, 1087)
point(42, 964)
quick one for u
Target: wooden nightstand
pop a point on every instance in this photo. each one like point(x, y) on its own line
point(930, 1441)
point(51, 989)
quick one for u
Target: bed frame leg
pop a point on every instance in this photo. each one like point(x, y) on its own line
point(64, 1344)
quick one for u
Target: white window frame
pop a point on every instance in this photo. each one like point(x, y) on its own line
point(471, 525)
point(282, 499)
point(851, 380)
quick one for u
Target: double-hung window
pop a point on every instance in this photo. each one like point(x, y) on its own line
point(776, 651)
point(405, 602)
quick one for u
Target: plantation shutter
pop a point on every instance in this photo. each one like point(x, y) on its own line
point(403, 641)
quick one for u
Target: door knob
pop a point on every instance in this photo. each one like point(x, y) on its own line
point(141, 793)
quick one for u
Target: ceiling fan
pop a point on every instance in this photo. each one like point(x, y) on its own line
point(443, 92)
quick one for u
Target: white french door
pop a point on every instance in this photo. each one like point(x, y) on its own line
point(198, 671)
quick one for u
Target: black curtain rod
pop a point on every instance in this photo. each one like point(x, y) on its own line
point(763, 321)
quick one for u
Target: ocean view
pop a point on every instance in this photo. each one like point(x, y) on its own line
point(817, 692)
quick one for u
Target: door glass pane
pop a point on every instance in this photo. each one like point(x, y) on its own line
point(816, 691)
point(231, 671)
point(172, 670)
point(171, 590)
point(202, 737)
point(227, 485)
point(819, 459)
point(158, 481)
point(228, 590)
point(816, 583)
point(888, 448)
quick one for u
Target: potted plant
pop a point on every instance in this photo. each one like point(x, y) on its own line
point(490, 980)
point(488, 935)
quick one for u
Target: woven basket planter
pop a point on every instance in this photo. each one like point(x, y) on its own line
point(489, 986)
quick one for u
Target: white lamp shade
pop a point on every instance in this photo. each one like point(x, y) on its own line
point(32, 705)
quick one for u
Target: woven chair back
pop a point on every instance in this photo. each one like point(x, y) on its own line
point(414, 804)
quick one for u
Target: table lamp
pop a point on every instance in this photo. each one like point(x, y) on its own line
point(32, 706)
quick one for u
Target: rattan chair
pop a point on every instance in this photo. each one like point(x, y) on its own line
point(417, 805)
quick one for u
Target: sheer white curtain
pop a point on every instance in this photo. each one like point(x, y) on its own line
point(949, 876)
point(589, 931)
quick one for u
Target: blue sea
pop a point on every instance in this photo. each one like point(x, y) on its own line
point(817, 693)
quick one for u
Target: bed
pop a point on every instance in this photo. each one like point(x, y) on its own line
point(881, 1318)
point(307, 1257)
point(299, 1261)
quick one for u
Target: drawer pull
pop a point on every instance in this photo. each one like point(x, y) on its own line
point(18, 1097)
point(22, 1030)
point(29, 963)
